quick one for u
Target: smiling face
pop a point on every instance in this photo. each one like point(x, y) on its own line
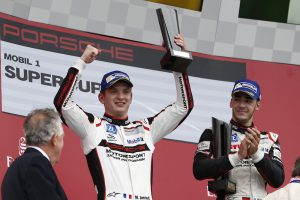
point(243, 108)
point(117, 99)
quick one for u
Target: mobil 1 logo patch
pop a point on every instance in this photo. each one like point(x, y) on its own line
point(110, 128)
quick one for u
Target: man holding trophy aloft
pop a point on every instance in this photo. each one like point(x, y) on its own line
point(120, 168)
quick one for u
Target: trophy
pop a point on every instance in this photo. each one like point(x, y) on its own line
point(175, 59)
point(221, 147)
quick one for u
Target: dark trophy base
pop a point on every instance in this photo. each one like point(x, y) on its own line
point(223, 186)
point(177, 61)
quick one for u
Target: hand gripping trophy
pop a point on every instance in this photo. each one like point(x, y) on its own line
point(175, 59)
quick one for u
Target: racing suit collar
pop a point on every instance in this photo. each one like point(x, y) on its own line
point(116, 121)
point(239, 127)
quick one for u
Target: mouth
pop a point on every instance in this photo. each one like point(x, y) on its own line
point(241, 112)
point(120, 103)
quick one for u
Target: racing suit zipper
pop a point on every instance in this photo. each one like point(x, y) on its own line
point(123, 137)
point(251, 192)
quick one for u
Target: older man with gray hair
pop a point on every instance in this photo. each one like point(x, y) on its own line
point(31, 176)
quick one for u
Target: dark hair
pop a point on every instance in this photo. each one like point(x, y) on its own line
point(296, 170)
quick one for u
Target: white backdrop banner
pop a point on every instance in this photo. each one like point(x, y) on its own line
point(31, 77)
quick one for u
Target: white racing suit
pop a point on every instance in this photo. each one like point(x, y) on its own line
point(119, 152)
point(251, 175)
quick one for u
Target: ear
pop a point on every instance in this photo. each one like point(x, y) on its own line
point(131, 98)
point(101, 97)
point(230, 104)
point(257, 105)
point(53, 140)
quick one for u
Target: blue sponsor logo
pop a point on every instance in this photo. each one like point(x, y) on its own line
point(234, 137)
point(111, 128)
point(135, 140)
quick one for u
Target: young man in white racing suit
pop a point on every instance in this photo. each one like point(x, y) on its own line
point(255, 156)
point(119, 152)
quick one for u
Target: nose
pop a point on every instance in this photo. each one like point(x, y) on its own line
point(242, 104)
point(120, 95)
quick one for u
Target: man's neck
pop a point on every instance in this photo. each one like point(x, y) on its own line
point(43, 151)
point(243, 126)
point(115, 120)
point(244, 123)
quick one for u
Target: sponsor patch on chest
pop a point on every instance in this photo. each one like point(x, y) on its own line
point(234, 137)
point(110, 128)
point(134, 130)
point(111, 138)
point(135, 140)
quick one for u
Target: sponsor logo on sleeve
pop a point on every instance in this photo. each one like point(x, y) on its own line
point(203, 146)
point(277, 154)
point(273, 136)
point(277, 146)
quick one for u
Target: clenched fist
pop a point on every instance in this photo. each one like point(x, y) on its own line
point(90, 54)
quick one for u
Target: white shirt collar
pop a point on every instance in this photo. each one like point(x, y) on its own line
point(40, 150)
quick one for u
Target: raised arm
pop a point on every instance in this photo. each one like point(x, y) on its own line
point(71, 114)
point(173, 115)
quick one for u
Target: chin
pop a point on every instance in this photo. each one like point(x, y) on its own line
point(120, 114)
point(242, 120)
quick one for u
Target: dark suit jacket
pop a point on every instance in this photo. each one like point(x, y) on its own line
point(31, 177)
